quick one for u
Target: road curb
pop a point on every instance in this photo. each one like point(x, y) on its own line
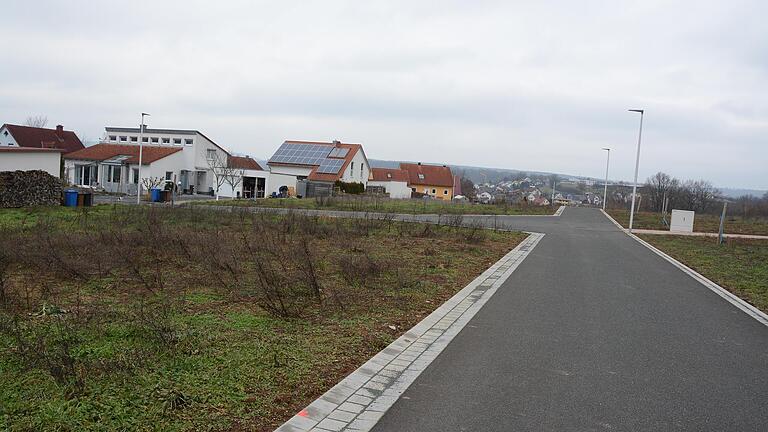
point(361, 399)
point(745, 307)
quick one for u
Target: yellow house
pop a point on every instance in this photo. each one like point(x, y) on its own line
point(434, 180)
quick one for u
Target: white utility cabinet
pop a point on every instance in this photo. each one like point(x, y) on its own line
point(682, 221)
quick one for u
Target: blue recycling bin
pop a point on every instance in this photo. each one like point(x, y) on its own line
point(155, 195)
point(70, 198)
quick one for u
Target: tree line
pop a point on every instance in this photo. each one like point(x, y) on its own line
point(697, 195)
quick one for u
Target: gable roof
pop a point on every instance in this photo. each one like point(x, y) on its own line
point(314, 162)
point(389, 174)
point(431, 175)
point(33, 137)
point(102, 152)
point(244, 162)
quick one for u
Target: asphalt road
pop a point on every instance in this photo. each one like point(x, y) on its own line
point(594, 332)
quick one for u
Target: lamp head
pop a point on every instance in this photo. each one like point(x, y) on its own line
point(637, 110)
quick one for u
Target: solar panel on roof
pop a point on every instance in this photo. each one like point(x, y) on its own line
point(301, 154)
point(338, 152)
point(330, 166)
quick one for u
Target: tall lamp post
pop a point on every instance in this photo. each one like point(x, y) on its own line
point(607, 162)
point(637, 166)
point(141, 148)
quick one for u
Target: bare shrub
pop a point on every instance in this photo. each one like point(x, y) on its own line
point(474, 232)
point(359, 269)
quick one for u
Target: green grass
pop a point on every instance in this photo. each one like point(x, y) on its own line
point(739, 265)
point(701, 223)
point(386, 205)
point(232, 366)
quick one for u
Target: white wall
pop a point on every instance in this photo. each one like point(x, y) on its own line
point(290, 170)
point(48, 161)
point(395, 189)
point(352, 172)
point(275, 180)
point(6, 139)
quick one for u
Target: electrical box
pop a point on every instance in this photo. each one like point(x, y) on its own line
point(682, 221)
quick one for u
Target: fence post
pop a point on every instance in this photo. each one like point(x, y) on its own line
point(722, 223)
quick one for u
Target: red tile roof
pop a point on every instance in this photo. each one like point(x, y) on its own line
point(245, 162)
point(433, 175)
point(102, 152)
point(34, 137)
point(389, 174)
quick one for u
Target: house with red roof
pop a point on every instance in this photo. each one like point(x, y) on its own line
point(393, 181)
point(301, 167)
point(436, 181)
point(28, 148)
point(186, 158)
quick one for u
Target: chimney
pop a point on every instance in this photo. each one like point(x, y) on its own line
point(336, 142)
point(59, 128)
point(419, 163)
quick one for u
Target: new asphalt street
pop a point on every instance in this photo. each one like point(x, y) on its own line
point(594, 332)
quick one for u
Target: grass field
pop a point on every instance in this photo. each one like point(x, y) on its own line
point(701, 222)
point(137, 318)
point(387, 205)
point(739, 265)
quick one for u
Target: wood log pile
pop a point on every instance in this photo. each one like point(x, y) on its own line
point(29, 188)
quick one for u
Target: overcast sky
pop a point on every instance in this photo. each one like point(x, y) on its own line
point(539, 85)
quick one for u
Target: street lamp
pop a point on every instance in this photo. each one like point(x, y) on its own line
point(637, 166)
point(607, 162)
point(141, 148)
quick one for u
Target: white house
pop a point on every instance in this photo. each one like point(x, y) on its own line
point(193, 168)
point(115, 167)
point(297, 162)
point(15, 158)
point(31, 148)
point(394, 181)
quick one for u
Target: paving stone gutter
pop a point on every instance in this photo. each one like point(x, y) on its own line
point(361, 399)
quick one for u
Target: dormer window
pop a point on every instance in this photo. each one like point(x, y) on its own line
point(123, 138)
point(177, 141)
point(111, 137)
point(421, 176)
point(155, 140)
point(389, 175)
point(166, 140)
point(145, 139)
point(134, 139)
point(188, 141)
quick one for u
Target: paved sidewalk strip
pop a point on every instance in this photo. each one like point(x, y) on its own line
point(361, 399)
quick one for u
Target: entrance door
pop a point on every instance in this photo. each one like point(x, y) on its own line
point(249, 187)
point(261, 187)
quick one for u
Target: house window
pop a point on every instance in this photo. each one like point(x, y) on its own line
point(210, 154)
point(352, 170)
point(421, 176)
point(433, 191)
point(134, 139)
point(123, 138)
point(169, 175)
point(188, 141)
point(6, 133)
point(177, 141)
point(145, 139)
point(445, 192)
point(166, 140)
point(113, 137)
point(389, 175)
point(155, 140)
point(113, 174)
point(135, 176)
point(361, 170)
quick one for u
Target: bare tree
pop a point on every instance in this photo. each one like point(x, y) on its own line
point(220, 167)
point(233, 176)
point(38, 121)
